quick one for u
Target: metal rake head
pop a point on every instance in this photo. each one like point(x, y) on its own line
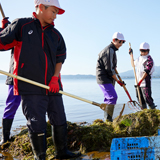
point(134, 105)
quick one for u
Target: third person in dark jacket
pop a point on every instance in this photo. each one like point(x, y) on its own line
point(105, 73)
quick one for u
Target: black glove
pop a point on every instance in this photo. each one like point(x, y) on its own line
point(130, 51)
point(124, 83)
point(121, 83)
point(136, 86)
point(5, 22)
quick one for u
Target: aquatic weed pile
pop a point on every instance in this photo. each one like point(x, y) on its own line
point(91, 137)
point(142, 123)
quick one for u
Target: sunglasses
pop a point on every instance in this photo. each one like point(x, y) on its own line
point(143, 50)
point(121, 41)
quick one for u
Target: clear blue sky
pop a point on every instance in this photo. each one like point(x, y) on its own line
point(88, 25)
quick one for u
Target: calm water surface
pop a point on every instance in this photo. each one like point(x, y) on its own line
point(79, 111)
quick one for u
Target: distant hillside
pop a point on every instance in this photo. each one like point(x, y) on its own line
point(78, 76)
point(157, 71)
point(130, 73)
point(127, 74)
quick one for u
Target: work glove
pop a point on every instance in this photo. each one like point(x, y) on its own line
point(5, 22)
point(121, 83)
point(54, 85)
point(130, 51)
point(139, 83)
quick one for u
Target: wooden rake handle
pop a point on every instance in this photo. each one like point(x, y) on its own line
point(132, 63)
point(47, 87)
point(123, 85)
point(2, 12)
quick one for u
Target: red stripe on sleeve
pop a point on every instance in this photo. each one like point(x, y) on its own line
point(17, 51)
point(8, 46)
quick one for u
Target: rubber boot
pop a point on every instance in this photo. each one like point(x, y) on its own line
point(144, 106)
point(6, 127)
point(108, 113)
point(59, 135)
point(153, 106)
point(38, 142)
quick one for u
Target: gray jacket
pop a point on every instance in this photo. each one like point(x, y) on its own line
point(106, 64)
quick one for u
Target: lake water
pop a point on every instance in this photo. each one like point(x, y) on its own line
point(79, 111)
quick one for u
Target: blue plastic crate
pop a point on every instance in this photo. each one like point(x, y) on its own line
point(129, 143)
point(133, 154)
point(135, 148)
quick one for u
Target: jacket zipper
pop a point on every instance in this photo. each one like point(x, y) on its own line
point(45, 60)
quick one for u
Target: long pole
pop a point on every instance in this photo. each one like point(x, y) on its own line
point(132, 62)
point(102, 106)
point(2, 12)
point(123, 85)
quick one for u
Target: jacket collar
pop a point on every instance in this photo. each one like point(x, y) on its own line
point(34, 15)
point(145, 56)
point(113, 47)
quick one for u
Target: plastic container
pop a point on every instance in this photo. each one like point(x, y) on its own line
point(134, 154)
point(135, 148)
point(129, 143)
point(159, 130)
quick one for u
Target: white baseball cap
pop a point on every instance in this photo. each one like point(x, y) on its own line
point(144, 46)
point(54, 3)
point(118, 35)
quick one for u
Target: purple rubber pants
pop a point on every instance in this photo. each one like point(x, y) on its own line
point(12, 104)
point(110, 95)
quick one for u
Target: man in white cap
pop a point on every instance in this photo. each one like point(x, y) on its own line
point(145, 68)
point(106, 75)
point(39, 52)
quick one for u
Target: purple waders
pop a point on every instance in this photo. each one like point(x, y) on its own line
point(110, 95)
point(110, 98)
point(12, 104)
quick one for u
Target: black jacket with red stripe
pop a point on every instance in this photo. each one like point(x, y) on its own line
point(36, 52)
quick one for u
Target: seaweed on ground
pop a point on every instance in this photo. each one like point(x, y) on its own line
point(90, 137)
